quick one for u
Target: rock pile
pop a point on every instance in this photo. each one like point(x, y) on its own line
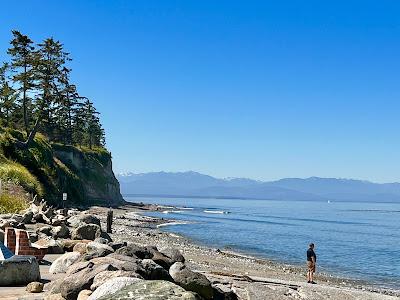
point(95, 267)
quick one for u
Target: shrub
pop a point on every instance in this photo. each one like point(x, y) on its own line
point(12, 204)
point(18, 174)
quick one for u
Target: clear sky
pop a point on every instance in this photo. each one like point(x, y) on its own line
point(259, 89)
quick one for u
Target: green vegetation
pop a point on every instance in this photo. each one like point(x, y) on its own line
point(51, 138)
point(18, 174)
point(12, 204)
point(37, 95)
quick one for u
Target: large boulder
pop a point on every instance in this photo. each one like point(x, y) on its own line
point(175, 255)
point(61, 231)
point(78, 220)
point(191, 281)
point(70, 286)
point(53, 246)
point(102, 277)
point(86, 232)
point(134, 250)
point(111, 286)
point(154, 290)
point(46, 230)
point(117, 245)
point(27, 217)
point(80, 247)
point(152, 271)
point(95, 246)
point(84, 294)
point(19, 270)
point(163, 260)
point(223, 292)
point(70, 244)
point(61, 264)
point(118, 264)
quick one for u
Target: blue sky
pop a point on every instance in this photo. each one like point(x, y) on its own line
point(259, 89)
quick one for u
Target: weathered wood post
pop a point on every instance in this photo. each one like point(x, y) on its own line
point(109, 220)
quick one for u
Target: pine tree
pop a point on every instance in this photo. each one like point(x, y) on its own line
point(22, 62)
point(8, 97)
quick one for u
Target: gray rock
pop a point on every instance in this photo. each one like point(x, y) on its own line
point(117, 245)
point(34, 287)
point(175, 255)
point(162, 260)
point(46, 230)
point(154, 290)
point(80, 247)
point(102, 277)
point(101, 240)
point(191, 281)
point(134, 250)
point(86, 232)
point(223, 292)
point(118, 264)
point(27, 217)
point(80, 219)
point(152, 271)
point(84, 294)
point(61, 231)
point(70, 286)
point(79, 266)
point(95, 246)
point(111, 286)
point(19, 270)
point(61, 264)
point(106, 236)
point(53, 246)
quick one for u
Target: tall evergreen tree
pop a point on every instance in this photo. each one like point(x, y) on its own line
point(22, 62)
point(8, 97)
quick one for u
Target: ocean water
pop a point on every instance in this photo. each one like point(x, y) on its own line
point(357, 240)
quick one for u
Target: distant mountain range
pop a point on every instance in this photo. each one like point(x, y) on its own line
point(200, 185)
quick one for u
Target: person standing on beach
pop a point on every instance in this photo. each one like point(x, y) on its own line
point(311, 262)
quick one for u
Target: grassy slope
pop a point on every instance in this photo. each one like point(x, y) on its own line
point(40, 171)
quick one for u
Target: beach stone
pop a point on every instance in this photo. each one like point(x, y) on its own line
point(111, 286)
point(19, 270)
point(46, 230)
point(152, 271)
point(34, 287)
point(61, 231)
point(118, 264)
point(191, 281)
point(162, 260)
point(101, 240)
point(70, 286)
point(80, 219)
point(223, 292)
point(142, 252)
point(176, 255)
point(86, 232)
point(95, 246)
point(53, 246)
point(61, 264)
point(27, 217)
point(102, 277)
point(84, 294)
point(69, 245)
point(106, 236)
point(80, 247)
point(154, 290)
point(117, 245)
point(79, 266)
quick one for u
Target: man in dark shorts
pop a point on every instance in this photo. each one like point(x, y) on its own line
point(311, 262)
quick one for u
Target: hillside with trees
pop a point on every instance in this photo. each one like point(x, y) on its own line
point(51, 138)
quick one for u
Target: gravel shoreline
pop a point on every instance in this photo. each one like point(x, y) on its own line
point(249, 277)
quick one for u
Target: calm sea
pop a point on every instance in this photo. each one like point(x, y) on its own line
point(354, 239)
